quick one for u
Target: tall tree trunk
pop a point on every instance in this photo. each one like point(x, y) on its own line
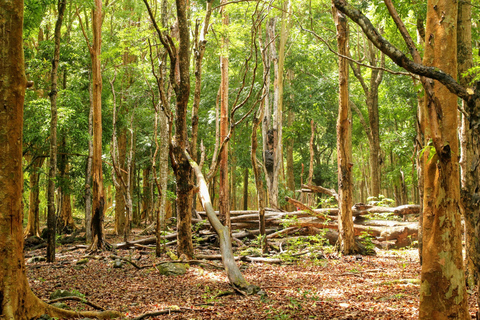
point(183, 171)
point(373, 127)
point(146, 194)
point(346, 238)
point(224, 194)
point(245, 189)
point(258, 178)
point(121, 150)
point(66, 223)
point(88, 172)
point(470, 151)
point(33, 225)
point(310, 167)
point(97, 180)
point(52, 172)
point(17, 301)
point(289, 150)
point(442, 290)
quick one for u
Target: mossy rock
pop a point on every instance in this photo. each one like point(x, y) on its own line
point(64, 293)
point(172, 269)
point(82, 261)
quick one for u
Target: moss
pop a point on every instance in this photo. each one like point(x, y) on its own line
point(425, 289)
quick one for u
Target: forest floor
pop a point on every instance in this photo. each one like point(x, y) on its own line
point(385, 286)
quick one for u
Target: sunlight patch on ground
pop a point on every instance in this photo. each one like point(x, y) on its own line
point(331, 294)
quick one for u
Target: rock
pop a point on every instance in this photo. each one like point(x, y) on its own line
point(82, 261)
point(36, 259)
point(81, 267)
point(117, 263)
point(172, 269)
point(64, 293)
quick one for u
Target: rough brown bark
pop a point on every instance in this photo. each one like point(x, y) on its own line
point(52, 172)
point(182, 169)
point(33, 225)
point(344, 143)
point(245, 189)
point(98, 202)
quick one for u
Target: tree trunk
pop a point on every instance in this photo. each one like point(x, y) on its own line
point(344, 143)
point(470, 153)
point(373, 127)
point(442, 290)
point(233, 272)
point(310, 197)
point(146, 196)
point(183, 171)
point(88, 173)
point(17, 301)
point(258, 118)
point(52, 171)
point(33, 225)
point(224, 194)
point(121, 150)
point(97, 180)
point(289, 149)
point(66, 223)
point(245, 189)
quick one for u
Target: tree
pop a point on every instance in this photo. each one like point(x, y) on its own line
point(52, 172)
point(98, 197)
point(442, 290)
point(224, 194)
point(17, 301)
point(373, 128)
point(344, 142)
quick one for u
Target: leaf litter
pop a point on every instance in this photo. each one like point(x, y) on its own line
point(385, 286)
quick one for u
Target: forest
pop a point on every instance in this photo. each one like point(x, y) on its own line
point(243, 159)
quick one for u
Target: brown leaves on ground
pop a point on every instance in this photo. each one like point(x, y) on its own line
point(385, 286)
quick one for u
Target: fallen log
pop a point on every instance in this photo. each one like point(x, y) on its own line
point(150, 240)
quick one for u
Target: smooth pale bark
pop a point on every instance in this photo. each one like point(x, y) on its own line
point(33, 224)
point(224, 192)
point(346, 238)
point(233, 272)
point(258, 118)
point(289, 156)
point(272, 127)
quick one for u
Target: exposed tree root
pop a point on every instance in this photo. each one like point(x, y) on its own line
point(75, 298)
point(33, 308)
